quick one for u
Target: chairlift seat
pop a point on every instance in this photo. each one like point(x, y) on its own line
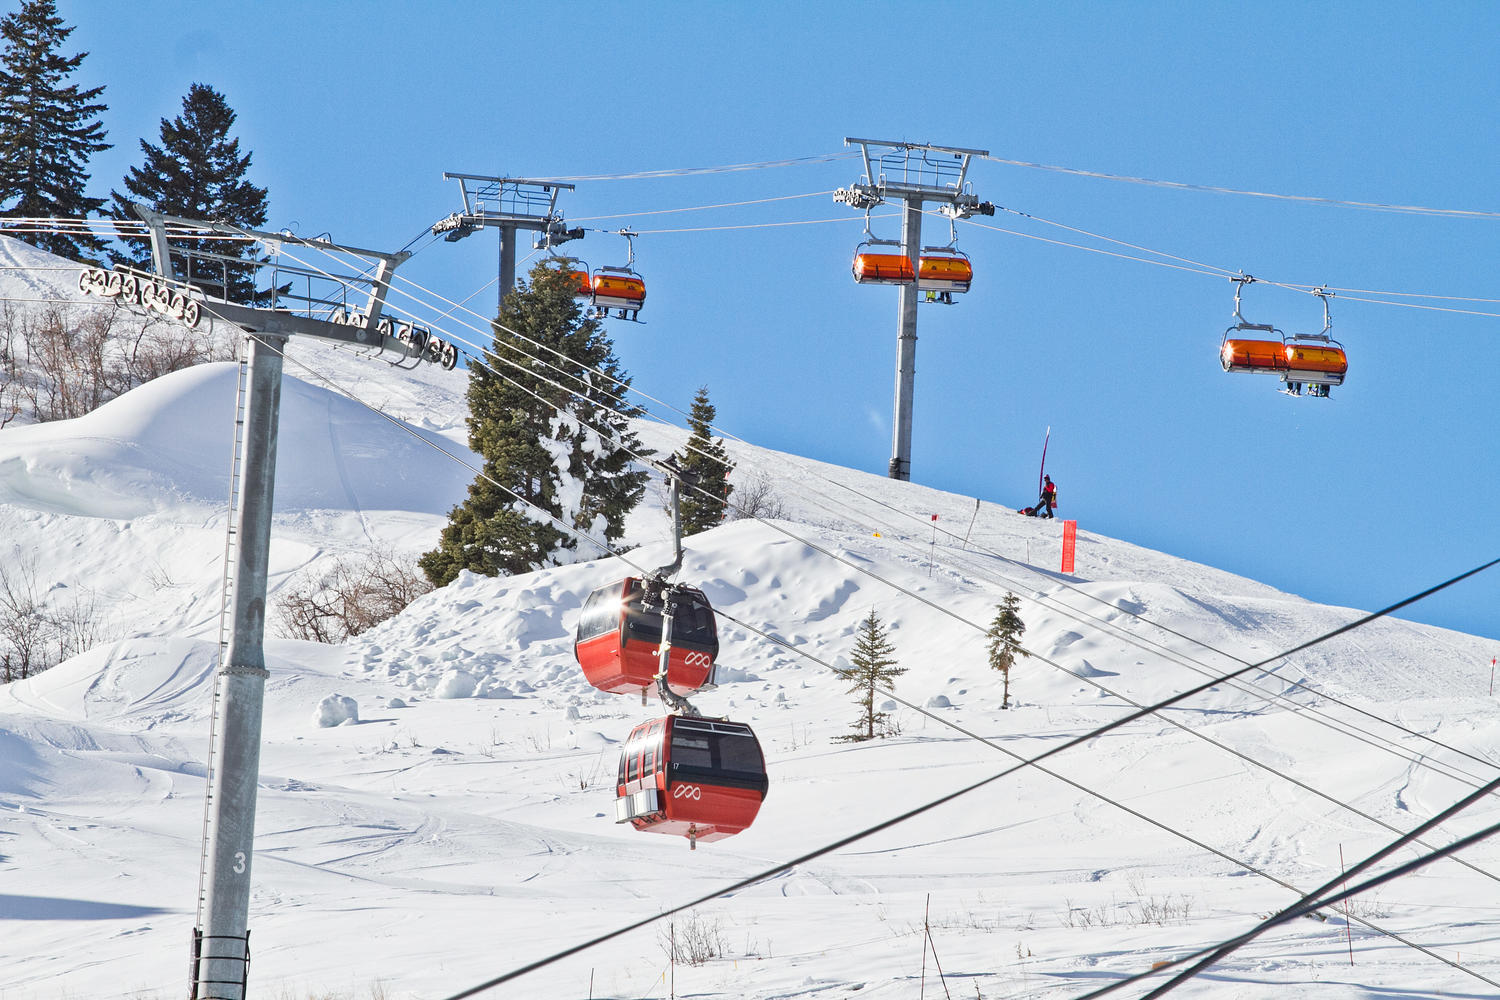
point(618, 289)
point(944, 273)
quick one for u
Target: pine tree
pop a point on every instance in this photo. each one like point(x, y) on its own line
point(872, 667)
point(702, 505)
point(198, 172)
point(1005, 640)
point(48, 131)
point(536, 417)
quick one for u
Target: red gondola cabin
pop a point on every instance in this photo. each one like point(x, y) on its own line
point(617, 640)
point(703, 779)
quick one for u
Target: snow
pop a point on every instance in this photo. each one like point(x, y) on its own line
point(336, 710)
point(462, 824)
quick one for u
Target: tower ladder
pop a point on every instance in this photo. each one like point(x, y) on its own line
point(226, 598)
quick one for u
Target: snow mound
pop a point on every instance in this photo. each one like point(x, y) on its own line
point(335, 710)
point(170, 441)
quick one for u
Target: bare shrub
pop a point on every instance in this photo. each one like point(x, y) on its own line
point(34, 633)
point(24, 627)
point(353, 596)
point(1161, 911)
point(78, 624)
point(162, 346)
point(59, 361)
point(10, 398)
point(10, 382)
point(1143, 910)
point(586, 776)
point(756, 497)
point(67, 362)
point(694, 941)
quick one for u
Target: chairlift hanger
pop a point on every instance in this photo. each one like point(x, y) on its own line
point(944, 271)
point(1251, 355)
point(1315, 360)
point(872, 267)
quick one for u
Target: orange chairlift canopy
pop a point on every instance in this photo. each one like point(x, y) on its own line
point(881, 267)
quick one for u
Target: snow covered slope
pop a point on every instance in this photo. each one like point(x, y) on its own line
point(463, 825)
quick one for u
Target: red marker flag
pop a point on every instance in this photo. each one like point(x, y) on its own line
point(1070, 542)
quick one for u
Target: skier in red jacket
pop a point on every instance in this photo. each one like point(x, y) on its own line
point(1048, 500)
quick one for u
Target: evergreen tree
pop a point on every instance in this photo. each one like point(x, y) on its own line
point(48, 131)
point(872, 667)
point(198, 172)
point(702, 505)
point(1005, 640)
point(536, 417)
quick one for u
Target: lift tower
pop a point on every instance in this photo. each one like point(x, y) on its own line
point(341, 298)
point(913, 174)
point(508, 204)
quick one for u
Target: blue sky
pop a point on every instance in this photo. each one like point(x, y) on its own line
point(354, 110)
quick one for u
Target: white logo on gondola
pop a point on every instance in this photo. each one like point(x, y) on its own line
point(687, 792)
point(697, 659)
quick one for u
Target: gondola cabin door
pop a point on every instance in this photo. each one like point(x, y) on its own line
point(619, 634)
